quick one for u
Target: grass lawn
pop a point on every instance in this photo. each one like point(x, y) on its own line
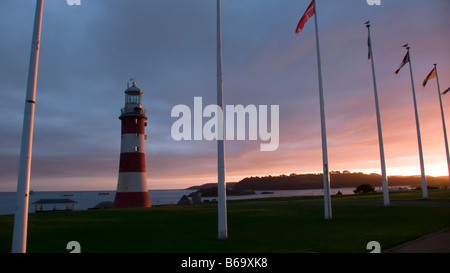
point(267, 227)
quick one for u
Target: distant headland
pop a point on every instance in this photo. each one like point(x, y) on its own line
point(338, 179)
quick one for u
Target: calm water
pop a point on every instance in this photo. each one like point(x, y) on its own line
point(88, 199)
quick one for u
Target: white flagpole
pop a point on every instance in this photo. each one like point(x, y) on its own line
point(419, 139)
point(443, 122)
point(19, 241)
point(380, 134)
point(221, 185)
point(326, 175)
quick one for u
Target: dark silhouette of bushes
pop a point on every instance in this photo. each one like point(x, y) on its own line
point(364, 188)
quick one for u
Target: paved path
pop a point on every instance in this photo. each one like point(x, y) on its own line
point(438, 242)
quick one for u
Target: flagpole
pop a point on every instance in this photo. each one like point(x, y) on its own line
point(221, 187)
point(419, 139)
point(443, 122)
point(19, 241)
point(326, 174)
point(380, 134)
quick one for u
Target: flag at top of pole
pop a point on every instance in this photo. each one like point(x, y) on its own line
point(431, 75)
point(446, 91)
point(310, 11)
point(407, 59)
point(404, 61)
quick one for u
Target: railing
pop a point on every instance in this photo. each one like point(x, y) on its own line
point(133, 111)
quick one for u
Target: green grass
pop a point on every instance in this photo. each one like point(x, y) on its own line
point(271, 226)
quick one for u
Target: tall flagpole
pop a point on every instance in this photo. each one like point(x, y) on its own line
point(443, 122)
point(221, 192)
point(326, 174)
point(419, 139)
point(19, 241)
point(380, 134)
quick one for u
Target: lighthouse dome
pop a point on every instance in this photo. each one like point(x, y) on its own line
point(133, 89)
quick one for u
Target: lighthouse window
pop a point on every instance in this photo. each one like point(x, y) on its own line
point(136, 148)
point(132, 99)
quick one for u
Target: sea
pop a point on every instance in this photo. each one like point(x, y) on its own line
point(89, 199)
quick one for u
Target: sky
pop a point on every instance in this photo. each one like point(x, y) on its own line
point(89, 52)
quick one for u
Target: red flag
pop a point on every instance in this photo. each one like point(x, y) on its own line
point(405, 61)
point(430, 76)
point(310, 11)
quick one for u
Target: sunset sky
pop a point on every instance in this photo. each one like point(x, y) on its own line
point(89, 52)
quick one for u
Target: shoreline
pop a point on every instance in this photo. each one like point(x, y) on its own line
point(89, 199)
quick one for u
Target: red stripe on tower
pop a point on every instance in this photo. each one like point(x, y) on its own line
point(132, 182)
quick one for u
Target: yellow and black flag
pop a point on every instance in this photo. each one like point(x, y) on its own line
point(430, 76)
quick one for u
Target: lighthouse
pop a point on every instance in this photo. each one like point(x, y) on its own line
point(132, 182)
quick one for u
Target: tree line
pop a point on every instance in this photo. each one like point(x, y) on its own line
point(337, 180)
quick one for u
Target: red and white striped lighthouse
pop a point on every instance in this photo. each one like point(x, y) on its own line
point(132, 182)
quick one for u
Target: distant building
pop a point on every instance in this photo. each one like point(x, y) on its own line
point(196, 197)
point(184, 200)
point(193, 198)
point(54, 204)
